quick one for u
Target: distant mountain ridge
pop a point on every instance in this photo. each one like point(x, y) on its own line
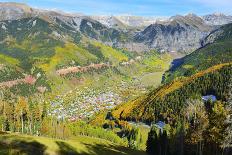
point(217, 19)
point(180, 33)
point(11, 11)
point(177, 33)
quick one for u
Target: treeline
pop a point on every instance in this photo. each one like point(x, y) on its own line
point(130, 133)
point(82, 128)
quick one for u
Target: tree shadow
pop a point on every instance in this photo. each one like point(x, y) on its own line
point(21, 147)
point(101, 149)
point(97, 149)
point(66, 149)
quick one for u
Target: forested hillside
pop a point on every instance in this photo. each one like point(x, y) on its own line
point(216, 49)
point(168, 100)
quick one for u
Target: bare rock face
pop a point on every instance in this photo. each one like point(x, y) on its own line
point(180, 33)
point(221, 34)
point(110, 21)
point(212, 37)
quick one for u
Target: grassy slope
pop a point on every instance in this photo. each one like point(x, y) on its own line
point(114, 56)
point(64, 55)
point(4, 59)
point(22, 144)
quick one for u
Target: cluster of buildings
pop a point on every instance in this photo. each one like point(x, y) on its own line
point(84, 106)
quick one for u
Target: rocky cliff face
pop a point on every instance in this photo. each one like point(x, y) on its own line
point(180, 33)
point(221, 34)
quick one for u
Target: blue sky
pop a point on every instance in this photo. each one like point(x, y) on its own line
point(134, 7)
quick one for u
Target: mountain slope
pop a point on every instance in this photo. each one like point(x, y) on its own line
point(181, 33)
point(169, 99)
point(32, 39)
point(217, 48)
point(224, 33)
point(79, 23)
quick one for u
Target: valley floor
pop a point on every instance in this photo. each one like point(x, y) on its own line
point(11, 144)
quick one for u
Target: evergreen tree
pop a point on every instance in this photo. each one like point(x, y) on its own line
point(134, 138)
point(158, 142)
point(152, 141)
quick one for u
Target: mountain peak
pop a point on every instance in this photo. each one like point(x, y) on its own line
point(218, 14)
point(12, 11)
point(217, 19)
point(191, 15)
point(16, 5)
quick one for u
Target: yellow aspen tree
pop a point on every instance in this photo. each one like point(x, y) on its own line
point(21, 110)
